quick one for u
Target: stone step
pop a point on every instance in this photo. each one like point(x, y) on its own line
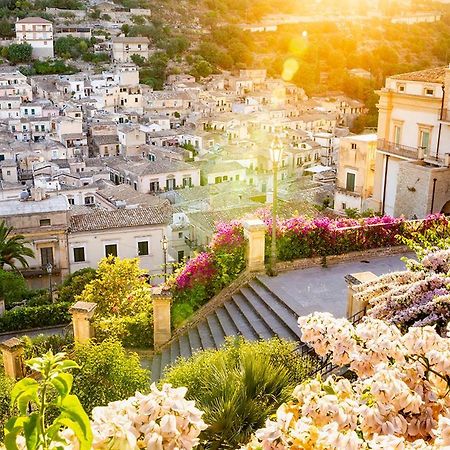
point(156, 368)
point(273, 322)
point(194, 340)
point(205, 335)
point(226, 322)
point(216, 330)
point(284, 313)
point(260, 327)
point(165, 360)
point(174, 350)
point(185, 349)
point(242, 324)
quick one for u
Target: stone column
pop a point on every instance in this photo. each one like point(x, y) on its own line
point(354, 279)
point(255, 232)
point(162, 299)
point(82, 313)
point(12, 351)
point(2, 307)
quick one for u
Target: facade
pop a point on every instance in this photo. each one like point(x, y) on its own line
point(126, 233)
point(124, 47)
point(44, 222)
point(355, 172)
point(38, 33)
point(412, 175)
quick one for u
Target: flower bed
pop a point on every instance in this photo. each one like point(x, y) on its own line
point(298, 237)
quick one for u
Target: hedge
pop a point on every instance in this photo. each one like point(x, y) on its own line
point(35, 317)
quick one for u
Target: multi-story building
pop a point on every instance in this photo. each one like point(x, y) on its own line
point(124, 47)
point(412, 174)
point(355, 171)
point(38, 33)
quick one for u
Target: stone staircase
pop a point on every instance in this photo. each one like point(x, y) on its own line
point(254, 312)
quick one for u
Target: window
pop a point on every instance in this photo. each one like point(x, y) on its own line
point(424, 140)
point(180, 235)
point(180, 256)
point(44, 223)
point(401, 88)
point(71, 201)
point(46, 256)
point(397, 134)
point(111, 249)
point(154, 186)
point(151, 157)
point(353, 146)
point(429, 91)
point(170, 184)
point(344, 206)
point(89, 200)
point(143, 248)
point(350, 183)
point(78, 254)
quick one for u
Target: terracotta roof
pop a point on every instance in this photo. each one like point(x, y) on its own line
point(436, 75)
point(121, 218)
point(33, 20)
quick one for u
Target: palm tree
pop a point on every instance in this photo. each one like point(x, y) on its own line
point(13, 248)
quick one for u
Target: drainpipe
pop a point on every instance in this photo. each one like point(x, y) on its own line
point(432, 195)
point(385, 184)
point(440, 123)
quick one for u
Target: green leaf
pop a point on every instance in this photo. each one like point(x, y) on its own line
point(71, 409)
point(84, 441)
point(68, 364)
point(12, 429)
point(62, 383)
point(31, 430)
point(23, 392)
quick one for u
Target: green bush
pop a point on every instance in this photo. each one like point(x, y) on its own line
point(6, 384)
point(75, 283)
point(39, 345)
point(180, 312)
point(108, 373)
point(239, 385)
point(132, 331)
point(18, 53)
point(13, 287)
point(35, 316)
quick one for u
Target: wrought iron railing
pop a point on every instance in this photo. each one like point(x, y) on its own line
point(403, 151)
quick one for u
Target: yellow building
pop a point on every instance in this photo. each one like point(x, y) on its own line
point(412, 175)
point(355, 172)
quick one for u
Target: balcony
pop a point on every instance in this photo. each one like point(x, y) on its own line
point(403, 151)
point(356, 192)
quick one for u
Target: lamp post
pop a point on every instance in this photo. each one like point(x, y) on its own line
point(276, 151)
point(165, 244)
point(49, 268)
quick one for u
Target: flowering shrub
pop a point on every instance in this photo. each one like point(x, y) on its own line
point(161, 419)
point(415, 297)
point(398, 401)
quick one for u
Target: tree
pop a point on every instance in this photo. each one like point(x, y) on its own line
point(13, 248)
point(108, 373)
point(120, 288)
point(19, 53)
point(138, 59)
point(202, 69)
point(13, 287)
point(125, 28)
point(75, 283)
point(6, 29)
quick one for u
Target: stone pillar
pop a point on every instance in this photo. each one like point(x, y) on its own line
point(12, 351)
point(354, 279)
point(255, 232)
point(162, 299)
point(2, 307)
point(82, 313)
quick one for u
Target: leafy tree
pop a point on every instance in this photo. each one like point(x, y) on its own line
point(13, 248)
point(6, 29)
point(239, 385)
point(202, 69)
point(120, 288)
point(125, 28)
point(19, 53)
point(108, 373)
point(13, 287)
point(138, 60)
point(138, 20)
point(75, 283)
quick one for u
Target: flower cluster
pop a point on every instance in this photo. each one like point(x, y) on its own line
point(412, 298)
point(228, 236)
point(200, 269)
point(398, 401)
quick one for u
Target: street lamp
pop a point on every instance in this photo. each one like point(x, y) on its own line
point(49, 268)
point(165, 244)
point(276, 152)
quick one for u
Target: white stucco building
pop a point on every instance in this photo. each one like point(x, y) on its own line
point(38, 33)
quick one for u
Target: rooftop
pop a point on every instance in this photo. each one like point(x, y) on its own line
point(121, 218)
point(14, 207)
point(33, 20)
point(435, 75)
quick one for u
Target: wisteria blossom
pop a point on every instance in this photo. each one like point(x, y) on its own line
point(398, 401)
